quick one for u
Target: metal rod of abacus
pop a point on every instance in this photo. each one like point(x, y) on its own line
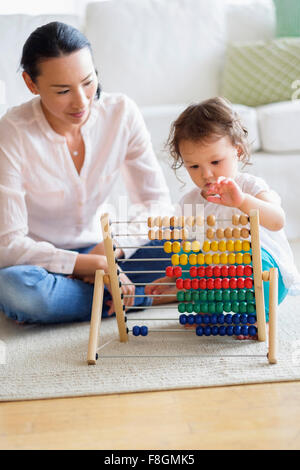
point(173, 330)
point(123, 260)
point(141, 246)
point(148, 284)
point(150, 272)
point(149, 295)
point(153, 307)
point(150, 319)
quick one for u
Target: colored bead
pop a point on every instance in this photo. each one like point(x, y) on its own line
point(228, 232)
point(244, 330)
point(246, 258)
point(248, 282)
point(221, 318)
point(206, 246)
point(214, 330)
point(210, 233)
point(238, 245)
point(168, 247)
point(217, 271)
point(229, 330)
point(235, 307)
point(193, 259)
point(176, 247)
point(199, 331)
point(216, 258)
point(175, 259)
point(195, 296)
point(177, 271)
point(186, 246)
point(220, 233)
point(206, 319)
point(181, 308)
point(188, 296)
point(203, 295)
point(223, 258)
point(246, 246)
point(214, 246)
point(210, 296)
point(240, 283)
point(204, 307)
point(210, 283)
point(179, 283)
point(231, 258)
point(207, 330)
point(169, 271)
point(252, 330)
point(195, 283)
point(219, 307)
point(218, 293)
point(183, 259)
point(236, 318)
point(198, 318)
point(214, 319)
point(193, 271)
point(224, 271)
point(202, 283)
point(226, 295)
point(251, 319)
point(243, 318)
point(228, 318)
point(208, 259)
point(222, 245)
point(249, 295)
point(212, 307)
point(180, 296)
point(239, 258)
point(208, 271)
point(186, 283)
point(235, 219)
point(237, 330)
point(136, 330)
point(244, 219)
point(234, 295)
point(191, 318)
point(236, 233)
point(218, 283)
point(144, 330)
point(196, 246)
point(248, 271)
point(227, 306)
point(211, 220)
point(231, 271)
point(233, 283)
point(201, 271)
point(230, 245)
point(245, 233)
point(197, 308)
point(243, 307)
point(200, 258)
point(240, 271)
point(241, 294)
point(222, 330)
point(225, 283)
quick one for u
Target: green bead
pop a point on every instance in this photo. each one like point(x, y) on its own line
point(189, 307)
point(227, 307)
point(195, 296)
point(203, 295)
point(188, 296)
point(219, 307)
point(249, 295)
point(226, 295)
point(212, 307)
point(235, 307)
point(210, 295)
point(218, 295)
point(181, 308)
point(180, 295)
point(242, 294)
point(197, 308)
point(250, 308)
point(234, 295)
point(243, 307)
point(204, 307)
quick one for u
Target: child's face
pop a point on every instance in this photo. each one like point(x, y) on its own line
point(206, 161)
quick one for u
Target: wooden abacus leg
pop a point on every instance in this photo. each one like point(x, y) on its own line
point(273, 303)
point(96, 316)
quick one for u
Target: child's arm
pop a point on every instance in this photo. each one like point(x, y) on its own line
point(228, 193)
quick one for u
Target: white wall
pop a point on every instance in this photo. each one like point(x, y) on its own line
point(38, 7)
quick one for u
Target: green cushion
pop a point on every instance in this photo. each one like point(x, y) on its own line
point(258, 73)
point(287, 18)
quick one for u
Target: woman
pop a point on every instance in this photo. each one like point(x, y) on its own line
point(59, 156)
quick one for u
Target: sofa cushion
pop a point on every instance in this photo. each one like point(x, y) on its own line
point(287, 17)
point(279, 126)
point(158, 51)
point(258, 73)
point(249, 120)
point(14, 30)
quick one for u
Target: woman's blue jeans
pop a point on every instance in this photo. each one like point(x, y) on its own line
point(33, 295)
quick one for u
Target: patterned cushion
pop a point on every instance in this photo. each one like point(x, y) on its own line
point(287, 18)
point(258, 73)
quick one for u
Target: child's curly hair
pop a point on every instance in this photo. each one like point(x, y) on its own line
point(208, 121)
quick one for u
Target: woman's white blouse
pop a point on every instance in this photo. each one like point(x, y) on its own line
point(46, 207)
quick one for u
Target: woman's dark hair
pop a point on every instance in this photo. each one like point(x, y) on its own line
point(52, 40)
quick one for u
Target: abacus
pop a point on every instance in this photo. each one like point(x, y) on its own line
point(220, 294)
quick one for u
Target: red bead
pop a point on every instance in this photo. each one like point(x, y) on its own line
point(248, 282)
point(170, 271)
point(217, 271)
point(195, 283)
point(177, 271)
point(208, 271)
point(231, 271)
point(193, 271)
point(179, 283)
point(201, 271)
point(224, 271)
point(210, 283)
point(240, 271)
point(202, 283)
point(233, 283)
point(225, 283)
point(240, 283)
point(187, 284)
point(248, 270)
point(218, 283)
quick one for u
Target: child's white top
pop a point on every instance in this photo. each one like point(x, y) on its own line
point(275, 243)
point(46, 207)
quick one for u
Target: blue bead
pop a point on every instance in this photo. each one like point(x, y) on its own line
point(191, 319)
point(206, 319)
point(236, 318)
point(221, 318)
point(244, 330)
point(144, 330)
point(228, 318)
point(182, 319)
point(199, 331)
point(214, 319)
point(207, 330)
point(198, 319)
point(229, 330)
point(244, 318)
point(222, 330)
point(251, 319)
point(237, 330)
point(136, 330)
point(252, 330)
point(214, 330)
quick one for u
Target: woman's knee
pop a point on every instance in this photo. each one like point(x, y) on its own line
point(21, 296)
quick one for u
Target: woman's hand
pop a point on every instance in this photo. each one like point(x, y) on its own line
point(224, 191)
point(157, 288)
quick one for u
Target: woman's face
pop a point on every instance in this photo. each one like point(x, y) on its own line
point(67, 86)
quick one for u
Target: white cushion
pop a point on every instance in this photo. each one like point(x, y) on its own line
point(14, 30)
point(279, 125)
point(158, 51)
point(248, 117)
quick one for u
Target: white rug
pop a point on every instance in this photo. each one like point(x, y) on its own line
point(47, 362)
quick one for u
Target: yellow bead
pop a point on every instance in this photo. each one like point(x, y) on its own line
point(246, 258)
point(200, 258)
point(168, 247)
point(214, 246)
point(208, 259)
point(222, 245)
point(237, 245)
point(223, 258)
point(239, 258)
point(216, 258)
point(246, 246)
point(206, 246)
point(193, 259)
point(230, 245)
point(176, 247)
point(231, 258)
point(183, 259)
point(175, 260)
point(196, 246)
point(186, 246)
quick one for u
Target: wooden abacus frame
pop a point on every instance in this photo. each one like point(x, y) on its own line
point(112, 280)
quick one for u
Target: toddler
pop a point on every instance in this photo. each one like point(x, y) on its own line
point(209, 140)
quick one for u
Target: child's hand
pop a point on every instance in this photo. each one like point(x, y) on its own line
point(126, 290)
point(225, 192)
point(156, 288)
